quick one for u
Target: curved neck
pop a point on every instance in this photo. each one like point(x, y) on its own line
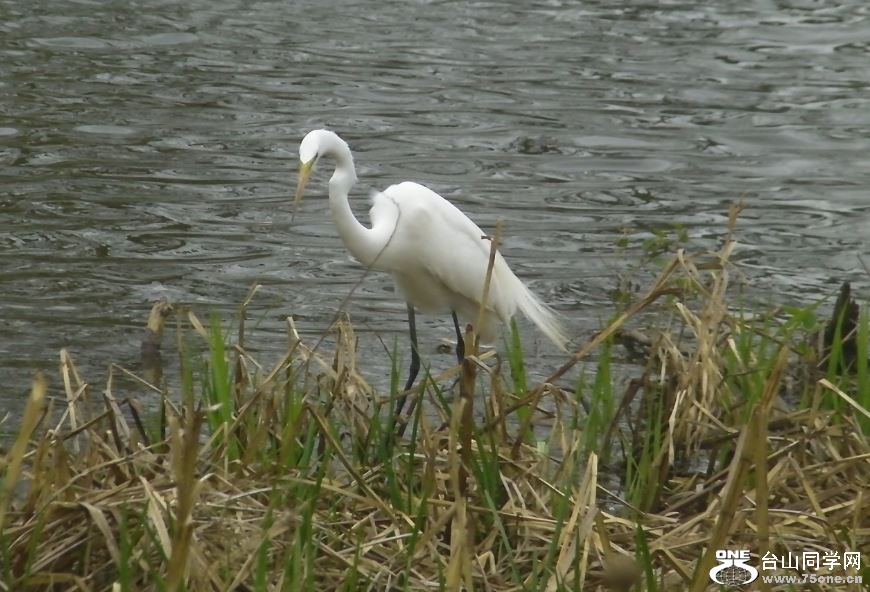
point(362, 242)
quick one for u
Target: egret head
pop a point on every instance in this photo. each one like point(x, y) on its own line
point(310, 148)
point(315, 145)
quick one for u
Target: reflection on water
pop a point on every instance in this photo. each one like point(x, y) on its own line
point(147, 150)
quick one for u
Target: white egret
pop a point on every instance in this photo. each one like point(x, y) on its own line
point(437, 255)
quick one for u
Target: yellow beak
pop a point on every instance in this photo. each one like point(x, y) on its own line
point(305, 169)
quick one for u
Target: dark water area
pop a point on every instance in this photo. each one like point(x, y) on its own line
point(148, 151)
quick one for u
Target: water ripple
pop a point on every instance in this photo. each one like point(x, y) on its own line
point(151, 152)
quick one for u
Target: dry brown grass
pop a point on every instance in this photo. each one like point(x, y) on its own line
point(299, 486)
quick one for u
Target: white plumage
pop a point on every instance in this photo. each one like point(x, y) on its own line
point(439, 260)
point(435, 252)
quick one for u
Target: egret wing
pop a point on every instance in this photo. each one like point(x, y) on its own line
point(434, 234)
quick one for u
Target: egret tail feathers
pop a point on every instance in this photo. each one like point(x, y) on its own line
point(542, 316)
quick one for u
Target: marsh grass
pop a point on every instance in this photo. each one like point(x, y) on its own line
point(735, 431)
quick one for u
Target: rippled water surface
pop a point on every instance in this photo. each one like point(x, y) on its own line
point(147, 150)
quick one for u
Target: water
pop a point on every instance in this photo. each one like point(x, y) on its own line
point(147, 150)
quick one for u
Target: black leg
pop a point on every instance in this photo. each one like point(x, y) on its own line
point(415, 359)
point(460, 344)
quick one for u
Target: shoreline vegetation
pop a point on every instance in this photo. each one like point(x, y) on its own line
point(734, 430)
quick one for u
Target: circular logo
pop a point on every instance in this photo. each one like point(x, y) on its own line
point(732, 569)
